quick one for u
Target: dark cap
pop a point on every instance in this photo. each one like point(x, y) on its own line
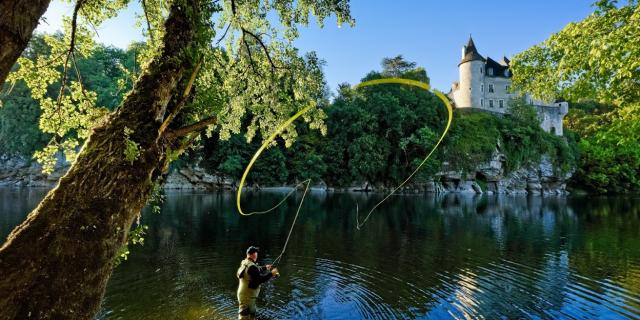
point(252, 249)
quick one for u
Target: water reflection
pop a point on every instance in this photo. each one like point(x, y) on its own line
point(417, 257)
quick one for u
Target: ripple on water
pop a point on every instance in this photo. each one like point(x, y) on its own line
point(313, 288)
point(509, 289)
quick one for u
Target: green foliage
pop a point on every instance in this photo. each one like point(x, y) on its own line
point(132, 149)
point(232, 166)
point(594, 63)
point(156, 198)
point(136, 237)
point(610, 161)
point(380, 134)
point(38, 124)
point(594, 59)
point(472, 139)
point(19, 114)
point(254, 77)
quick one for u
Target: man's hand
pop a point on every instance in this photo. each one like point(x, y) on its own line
point(269, 266)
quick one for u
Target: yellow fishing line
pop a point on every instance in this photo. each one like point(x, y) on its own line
point(255, 157)
point(444, 133)
point(281, 128)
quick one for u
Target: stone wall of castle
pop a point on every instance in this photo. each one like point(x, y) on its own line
point(551, 117)
point(468, 92)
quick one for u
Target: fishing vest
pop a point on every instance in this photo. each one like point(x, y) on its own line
point(244, 291)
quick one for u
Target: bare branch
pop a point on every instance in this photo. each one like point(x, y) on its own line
point(146, 16)
point(253, 65)
point(264, 47)
point(223, 34)
point(72, 44)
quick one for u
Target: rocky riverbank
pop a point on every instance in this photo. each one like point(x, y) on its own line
point(541, 178)
point(20, 172)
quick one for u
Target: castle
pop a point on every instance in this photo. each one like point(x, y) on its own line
point(486, 84)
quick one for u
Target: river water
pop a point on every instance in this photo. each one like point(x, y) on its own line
point(417, 257)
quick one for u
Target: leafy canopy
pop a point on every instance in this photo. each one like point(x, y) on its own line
point(594, 61)
point(251, 73)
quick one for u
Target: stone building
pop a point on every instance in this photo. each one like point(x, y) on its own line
point(486, 84)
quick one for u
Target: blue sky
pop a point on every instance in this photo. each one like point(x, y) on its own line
point(428, 32)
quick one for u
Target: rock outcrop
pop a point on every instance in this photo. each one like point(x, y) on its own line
point(20, 172)
point(540, 178)
point(16, 171)
point(196, 178)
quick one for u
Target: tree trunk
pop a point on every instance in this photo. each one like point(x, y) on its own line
point(56, 264)
point(18, 19)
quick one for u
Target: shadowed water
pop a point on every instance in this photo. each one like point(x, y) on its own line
point(418, 257)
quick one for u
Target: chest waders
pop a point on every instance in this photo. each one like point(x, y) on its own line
point(246, 295)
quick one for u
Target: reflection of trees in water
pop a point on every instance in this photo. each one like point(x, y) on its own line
point(415, 255)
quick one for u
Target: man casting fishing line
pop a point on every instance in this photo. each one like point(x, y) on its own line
point(250, 274)
point(250, 277)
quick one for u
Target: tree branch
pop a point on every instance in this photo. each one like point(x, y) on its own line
point(253, 64)
point(264, 47)
point(72, 44)
point(183, 99)
point(78, 75)
point(146, 16)
point(224, 34)
point(194, 127)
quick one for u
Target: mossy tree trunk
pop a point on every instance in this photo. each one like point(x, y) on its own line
point(56, 264)
point(18, 19)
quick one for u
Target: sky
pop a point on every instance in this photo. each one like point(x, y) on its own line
point(428, 32)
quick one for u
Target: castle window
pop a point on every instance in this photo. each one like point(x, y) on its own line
point(490, 71)
point(480, 70)
point(490, 103)
point(482, 87)
point(482, 102)
point(507, 88)
point(501, 103)
point(490, 86)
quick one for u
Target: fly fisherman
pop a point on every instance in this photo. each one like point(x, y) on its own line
point(251, 276)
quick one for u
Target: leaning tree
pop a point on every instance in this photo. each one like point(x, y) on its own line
point(206, 65)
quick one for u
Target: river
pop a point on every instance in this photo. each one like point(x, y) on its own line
point(417, 257)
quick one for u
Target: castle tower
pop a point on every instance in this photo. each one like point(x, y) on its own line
point(485, 84)
point(471, 69)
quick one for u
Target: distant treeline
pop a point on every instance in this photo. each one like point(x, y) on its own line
point(377, 134)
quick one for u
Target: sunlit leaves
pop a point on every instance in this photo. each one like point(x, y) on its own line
point(132, 148)
point(596, 59)
point(71, 114)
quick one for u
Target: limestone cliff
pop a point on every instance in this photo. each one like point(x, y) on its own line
point(540, 178)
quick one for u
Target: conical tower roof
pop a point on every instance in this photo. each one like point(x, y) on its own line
point(470, 52)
